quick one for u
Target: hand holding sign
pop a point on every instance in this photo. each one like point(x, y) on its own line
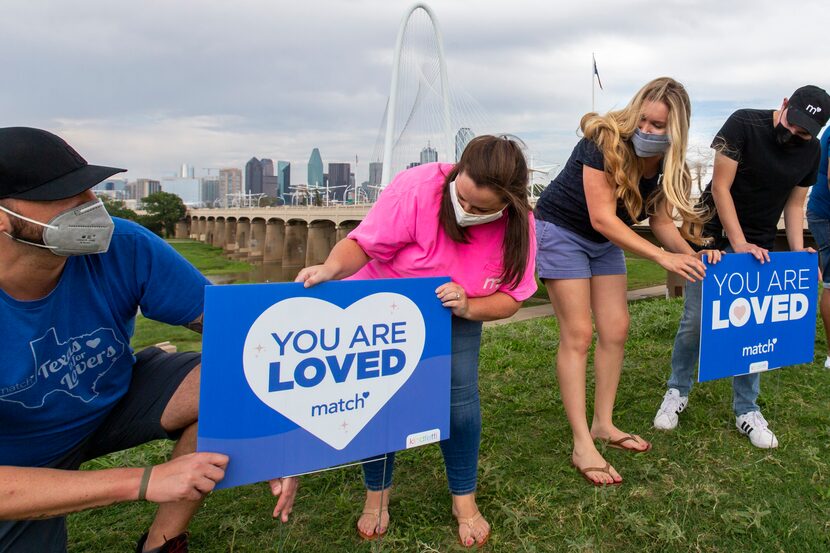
point(757, 252)
point(286, 490)
point(186, 478)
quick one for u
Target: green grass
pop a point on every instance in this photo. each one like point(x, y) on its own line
point(702, 488)
point(206, 258)
point(643, 273)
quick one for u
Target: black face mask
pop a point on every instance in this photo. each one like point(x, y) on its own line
point(786, 138)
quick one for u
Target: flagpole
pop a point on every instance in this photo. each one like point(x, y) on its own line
point(593, 64)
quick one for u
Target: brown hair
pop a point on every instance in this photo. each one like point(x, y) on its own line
point(496, 163)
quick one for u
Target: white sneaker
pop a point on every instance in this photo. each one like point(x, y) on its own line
point(673, 404)
point(754, 425)
point(827, 362)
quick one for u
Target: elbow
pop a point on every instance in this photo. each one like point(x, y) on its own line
point(600, 224)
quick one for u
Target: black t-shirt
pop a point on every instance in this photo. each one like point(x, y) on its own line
point(563, 201)
point(767, 173)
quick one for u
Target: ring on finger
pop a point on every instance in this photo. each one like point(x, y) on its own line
point(457, 296)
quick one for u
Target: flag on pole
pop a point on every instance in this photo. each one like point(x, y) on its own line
point(596, 72)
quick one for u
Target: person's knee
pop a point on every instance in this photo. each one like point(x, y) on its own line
point(615, 335)
point(577, 339)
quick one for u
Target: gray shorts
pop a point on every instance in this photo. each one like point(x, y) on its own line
point(135, 420)
point(562, 254)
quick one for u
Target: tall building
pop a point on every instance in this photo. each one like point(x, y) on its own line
point(429, 155)
point(339, 177)
point(269, 178)
point(230, 182)
point(315, 169)
point(284, 178)
point(187, 171)
point(211, 185)
point(253, 176)
point(145, 187)
point(462, 138)
point(375, 173)
point(270, 186)
point(267, 167)
point(189, 190)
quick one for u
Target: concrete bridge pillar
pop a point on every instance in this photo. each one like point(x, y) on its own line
point(294, 247)
point(181, 229)
point(243, 236)
point(274, 242)
point(321, 235)
point(257, 242)
point(343, 229)
point(210, 234)
point(203, 224)
point(219, 234)
point(230, 236)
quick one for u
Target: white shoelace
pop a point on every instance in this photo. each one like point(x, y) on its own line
point(757, 420)
point(671, 404)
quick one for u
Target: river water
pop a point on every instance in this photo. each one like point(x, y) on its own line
point(261, 272)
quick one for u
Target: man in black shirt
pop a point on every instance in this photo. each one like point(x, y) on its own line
point(764, 163)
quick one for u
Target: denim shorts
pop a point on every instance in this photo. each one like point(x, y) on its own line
point(820, 229)
point(562, 254)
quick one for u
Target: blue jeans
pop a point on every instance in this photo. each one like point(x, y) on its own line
point(461, 449)
point(820, 229)
point(684, 357)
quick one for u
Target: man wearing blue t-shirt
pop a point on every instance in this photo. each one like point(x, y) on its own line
point(71, 282)
point(818, 219)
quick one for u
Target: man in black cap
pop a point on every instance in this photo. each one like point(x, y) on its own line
point(71, 282)
point(765, 161)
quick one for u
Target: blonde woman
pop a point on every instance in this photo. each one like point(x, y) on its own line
point(631, 164)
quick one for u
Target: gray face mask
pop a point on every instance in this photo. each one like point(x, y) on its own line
point(648, 144)
point(81, 230)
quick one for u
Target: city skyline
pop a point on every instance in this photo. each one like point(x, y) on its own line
point(202, 97)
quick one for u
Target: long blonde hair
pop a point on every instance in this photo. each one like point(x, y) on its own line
point(612, 133)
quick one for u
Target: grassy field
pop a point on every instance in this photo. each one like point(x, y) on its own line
point(702, 487)
point(206, 258)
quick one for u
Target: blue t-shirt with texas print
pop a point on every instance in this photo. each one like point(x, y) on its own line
point(67, 358)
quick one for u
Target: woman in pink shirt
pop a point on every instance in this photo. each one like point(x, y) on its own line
point(471, 221)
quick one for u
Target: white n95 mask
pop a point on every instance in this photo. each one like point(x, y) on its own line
point(82, 230)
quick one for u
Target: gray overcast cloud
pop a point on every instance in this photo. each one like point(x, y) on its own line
point(150, 85)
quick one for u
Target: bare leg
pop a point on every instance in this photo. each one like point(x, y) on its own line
point(181, 412)
point(610, 307)
point(571, 303)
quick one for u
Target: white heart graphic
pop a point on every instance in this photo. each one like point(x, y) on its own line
point(338, 389)
point(93, 343)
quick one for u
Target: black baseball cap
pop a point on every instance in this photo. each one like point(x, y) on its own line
point(809, 108)
point(37, 165)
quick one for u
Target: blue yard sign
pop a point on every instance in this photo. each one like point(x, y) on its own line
point(756, 317)
point(300, 379)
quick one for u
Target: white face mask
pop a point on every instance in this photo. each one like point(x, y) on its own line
point(78, 231)
point(465, 219)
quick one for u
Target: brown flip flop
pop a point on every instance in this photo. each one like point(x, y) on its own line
point(606, 469)
point(618, 444)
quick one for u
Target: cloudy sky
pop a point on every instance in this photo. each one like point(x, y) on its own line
point(152, 84)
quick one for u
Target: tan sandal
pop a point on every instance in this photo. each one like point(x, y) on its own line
point(377, 513)
point(470, 522)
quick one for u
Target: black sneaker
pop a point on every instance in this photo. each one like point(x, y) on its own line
point(176, 544)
